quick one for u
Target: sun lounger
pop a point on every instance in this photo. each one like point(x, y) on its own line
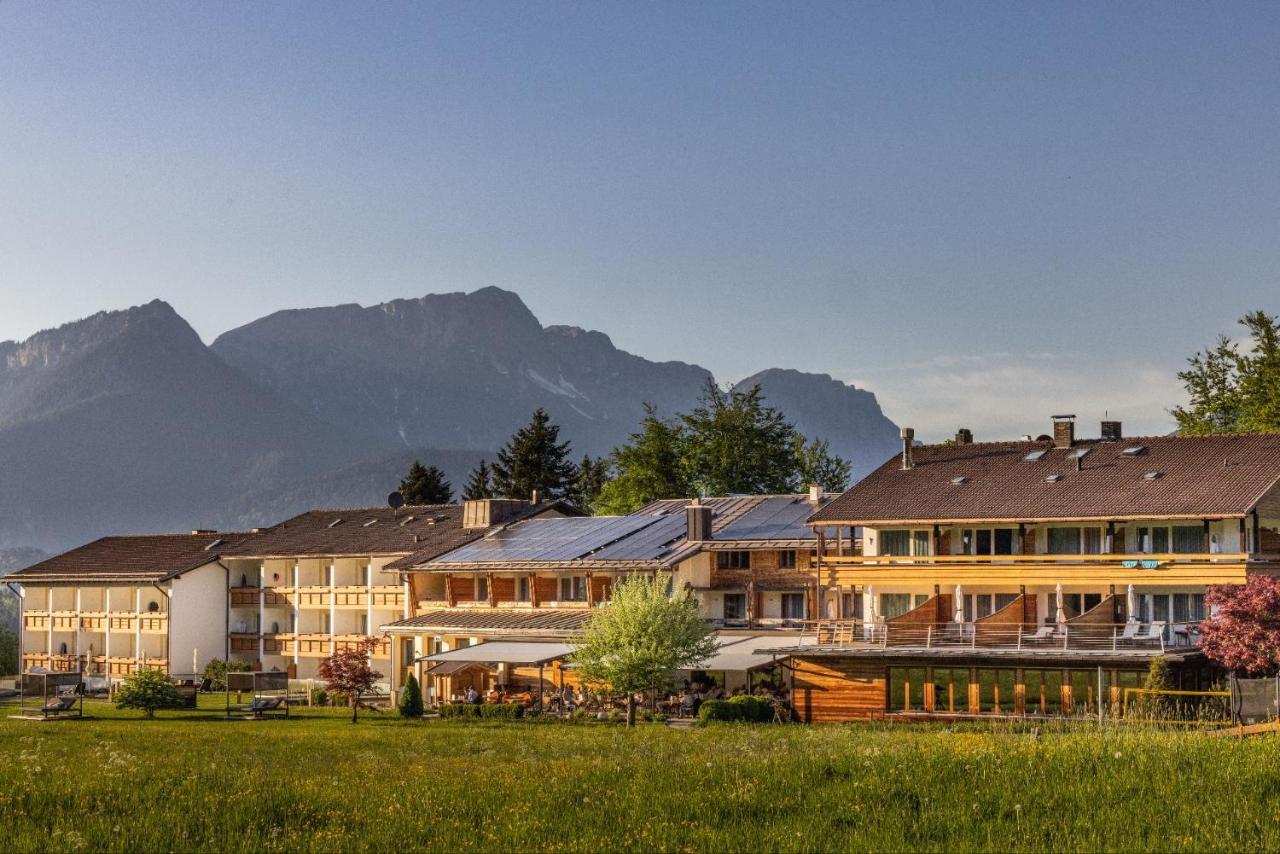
point(1043, 633)
point(1154, 633)
point(60, 705)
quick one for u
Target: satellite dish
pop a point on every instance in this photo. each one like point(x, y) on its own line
point(395, 500)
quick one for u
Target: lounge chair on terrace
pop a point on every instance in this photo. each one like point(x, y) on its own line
point(262, 707)
point(1130, 630)
point(1043, 633)
point(1154, 633)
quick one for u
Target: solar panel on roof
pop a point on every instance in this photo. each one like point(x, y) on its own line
point(556, 539)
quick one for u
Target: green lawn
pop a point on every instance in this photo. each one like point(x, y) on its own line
point(189, 781)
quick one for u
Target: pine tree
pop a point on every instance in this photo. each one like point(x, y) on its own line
point(534, 459)
point(411, 698)
point(425, 485)
point(592, 475)
point(480, 484)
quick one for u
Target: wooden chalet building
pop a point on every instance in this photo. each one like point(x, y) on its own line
point(324, 580)
point(1032, 577)
point(121, 604)
point(533, 584)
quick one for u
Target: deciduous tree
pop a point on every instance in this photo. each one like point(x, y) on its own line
point(1242, 632)
point(149, 691)
point(816, 464)
point(643, 637)
point(347, 673)
point(649, 467)
point(425, 485)
point(1235, 390)
point(734, 443)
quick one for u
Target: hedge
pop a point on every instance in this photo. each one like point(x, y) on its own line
point(744, 708)
point(488, 711)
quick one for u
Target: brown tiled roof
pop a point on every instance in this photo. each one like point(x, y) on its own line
point(356, 531)
point(145, 559)
point(517, 621)
point(1195, 477)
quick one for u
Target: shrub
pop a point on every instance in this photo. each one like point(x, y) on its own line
point(411, 699)
point(216, 672)
point(319, 697)
point(148, 690)
point(459, 710)
point(745, 708)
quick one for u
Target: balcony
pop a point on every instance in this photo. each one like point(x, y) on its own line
point(64, 621)
point(1156, 569)
point(93, 621)
point(35, 620)
point(153, 624)
point(59, 663)
point(958, 637)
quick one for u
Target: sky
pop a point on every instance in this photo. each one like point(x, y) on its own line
point(985, 213)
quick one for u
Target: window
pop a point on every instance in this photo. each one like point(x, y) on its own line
point(793, 606)
point(851, 606)
point(920, 542)
point(904, 543)
point(787, 559)
point(1004, 600)
point(894, 604)
point(987, 541)
point(1064, 541)
point(364, 624)
point(573, 589)
point(1175, 539)
point(522, 589)
point(906, 689)
point(733, 560)
point(735, 606)
point(1091, 541)
point(951, 689)
point(482, 589)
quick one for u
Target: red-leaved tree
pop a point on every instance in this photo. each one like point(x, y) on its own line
point(347, 672)
point(1242, 632)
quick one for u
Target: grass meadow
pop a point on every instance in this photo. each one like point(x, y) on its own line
point(189, 781)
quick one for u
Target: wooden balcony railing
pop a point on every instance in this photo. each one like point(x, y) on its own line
point(1074, 568)
point(64, 621)
point(1118, 637)
point(93, 621)
point(154, 624)
point(35, 620)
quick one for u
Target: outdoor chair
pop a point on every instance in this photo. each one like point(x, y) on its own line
point(1130, 630)
point(1043, 633)
point(1154, 633)
point(59, 705)
point(263, 706)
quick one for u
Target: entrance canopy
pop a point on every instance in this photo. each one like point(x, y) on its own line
point(749, 652)
point(504, 652)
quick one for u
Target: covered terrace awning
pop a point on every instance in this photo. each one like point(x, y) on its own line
point(504, 652)
point(750, 652)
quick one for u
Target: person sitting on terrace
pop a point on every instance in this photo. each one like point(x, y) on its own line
point(473, 696)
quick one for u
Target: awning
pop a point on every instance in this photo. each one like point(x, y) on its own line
point(448, 668)
point(744, 653)
point(504, 652)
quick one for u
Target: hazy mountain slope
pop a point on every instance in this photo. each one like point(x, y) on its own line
point(125, 421)
point(848, 417)
point(455, 371)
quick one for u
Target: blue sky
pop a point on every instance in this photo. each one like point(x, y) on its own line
point(983, 212)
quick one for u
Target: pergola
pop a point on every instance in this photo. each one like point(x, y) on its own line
point(56, 694)
point(269, 689)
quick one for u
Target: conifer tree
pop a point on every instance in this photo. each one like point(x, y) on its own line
point(411, 698)
point(592, 475)
point(534, 459)
point(480, 484)
point(425, 485)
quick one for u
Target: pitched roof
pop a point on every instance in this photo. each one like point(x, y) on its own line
point(357, 531)
point(652, 537)
point(547, 621)
point(144, 559)
point(1176, 477)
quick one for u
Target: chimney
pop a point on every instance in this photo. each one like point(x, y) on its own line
point(964, 436)
point(697, 521)
point(908, 436)
point(1111, 431)
point(815, 494)
point(487, 512)
point(536, 498)
point(1064, 431)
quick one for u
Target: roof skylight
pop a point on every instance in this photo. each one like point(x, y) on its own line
point(335, 523)
point(1134, 451)
point(1053, 478)
point(959, 480)
point(1035, 455)
point(1152, 475)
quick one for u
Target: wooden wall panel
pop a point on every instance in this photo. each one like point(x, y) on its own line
point(834, 689)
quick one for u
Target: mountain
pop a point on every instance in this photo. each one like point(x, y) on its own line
point(126, 421)
point(825, 408)
point(455, 371)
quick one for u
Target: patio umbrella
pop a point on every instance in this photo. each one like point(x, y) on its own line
point(1131, 605)
point(872, 609)
point(959, 604)
point(1062, 614)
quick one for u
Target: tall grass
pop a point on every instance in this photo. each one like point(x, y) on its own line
point(316, 782)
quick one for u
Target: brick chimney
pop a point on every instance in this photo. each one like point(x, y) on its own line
point(908, 438)
point(697, 521)
point(1111, 431)
point(1064, 431)
point(964, 436)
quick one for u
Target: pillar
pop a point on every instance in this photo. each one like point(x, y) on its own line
point(262, 608)
point(137, 626)
point(333, 608)
point(297, 613)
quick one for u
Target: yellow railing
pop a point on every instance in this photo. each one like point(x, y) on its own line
point(1146, 561)
point(1137, 569)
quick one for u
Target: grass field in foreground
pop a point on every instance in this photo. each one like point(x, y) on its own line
point(189, 781)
